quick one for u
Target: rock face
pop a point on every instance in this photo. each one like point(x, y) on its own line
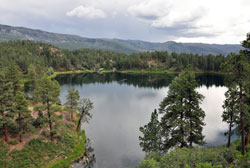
point(127, 46)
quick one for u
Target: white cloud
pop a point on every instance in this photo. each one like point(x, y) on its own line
point(224, 21)
point(88, 12)
point(149, 10)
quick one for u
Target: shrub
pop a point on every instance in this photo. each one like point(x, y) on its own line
point(13, 142)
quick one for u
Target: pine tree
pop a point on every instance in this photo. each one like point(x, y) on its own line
point(231, 109)
point(193, 113)
point(6, 102)
point(24, 116)
point(13, 75)
point(48, 92)
point(183, 119)
point(32, 78)
point(84, 106)
point(72, 100)
point(238, 66)
point(246, 51)
point(151, 139)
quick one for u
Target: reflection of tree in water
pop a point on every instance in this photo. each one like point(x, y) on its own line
point(88, 161)
point(89, 158)
point(156, 81)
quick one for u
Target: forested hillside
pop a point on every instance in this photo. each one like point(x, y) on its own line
point(25, 53)
point(73, 42)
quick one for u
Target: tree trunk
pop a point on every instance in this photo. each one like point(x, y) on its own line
point(230, 130)
point(191, 135)
point(247, 139)
point(241, 123)
point(5, 133)
point(71, 115)
point(19, 129)
point(182, 132)
point(50, 122)
point(229, 135)
point(79, 123)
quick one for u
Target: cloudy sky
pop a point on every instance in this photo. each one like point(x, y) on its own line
point(208, 21)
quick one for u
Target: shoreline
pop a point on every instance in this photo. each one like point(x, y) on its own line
point(137, 72)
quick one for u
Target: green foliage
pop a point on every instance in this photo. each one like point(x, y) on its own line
point(77, 153)
point(13, 142)
point(151, 139)
point(72, 101)
point(215, 157)
point(48, 92)
point(6, 101)
point(84, 107)
point(21, 109)
point(27, 53)
point(231, 110)
point(239, 68)
point(149, 164)
point(182, 118)
point(41, 120)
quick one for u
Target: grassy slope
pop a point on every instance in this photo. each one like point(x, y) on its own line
point(38, 152)
point(76, 154)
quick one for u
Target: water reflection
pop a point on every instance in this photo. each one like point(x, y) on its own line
point(89, 160)
point(156, 81)
point(123, 103)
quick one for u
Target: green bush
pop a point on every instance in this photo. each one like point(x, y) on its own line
point(13, 142)
point(149, 164)
point(207, 165)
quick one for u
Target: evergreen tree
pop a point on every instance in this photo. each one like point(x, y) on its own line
point(246, 45)
point(182, 120)
point(32, 78)
point(247, 114)
point(48, 92)
point(151, 139)
point(193, 113)
point(24, 116)
point(231, 109)
point(6, 102)
point(238, 66)
point(13, 75)
point(84, 106)
point(72, 100)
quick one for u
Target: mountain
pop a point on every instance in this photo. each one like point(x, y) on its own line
point(128, 46)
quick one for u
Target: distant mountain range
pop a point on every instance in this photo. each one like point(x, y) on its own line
point(127, 46)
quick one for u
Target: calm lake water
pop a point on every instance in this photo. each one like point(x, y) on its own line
point(123, 103)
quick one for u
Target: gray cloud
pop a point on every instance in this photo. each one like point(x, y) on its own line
point(152, 20)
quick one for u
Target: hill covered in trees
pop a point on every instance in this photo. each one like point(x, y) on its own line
point(25, 53)
point(73, 42)
point(36, 129)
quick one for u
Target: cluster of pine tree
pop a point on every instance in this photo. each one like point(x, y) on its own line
point(182, 118)
point(22, 110)
point(25, 53)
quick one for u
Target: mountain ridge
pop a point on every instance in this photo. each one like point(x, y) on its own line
point(73, 42)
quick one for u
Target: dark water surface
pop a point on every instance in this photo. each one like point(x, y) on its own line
point(123, 103)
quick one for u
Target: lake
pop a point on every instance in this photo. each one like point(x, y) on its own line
point(123, 103)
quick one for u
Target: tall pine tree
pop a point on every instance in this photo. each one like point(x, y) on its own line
point(72, 101)
point(231, 109)
point(183, 119)
point(6, 102)
point(48, 92)
point(13, 75)
point(238, 66)
point(151, 139)
point(23, 113)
